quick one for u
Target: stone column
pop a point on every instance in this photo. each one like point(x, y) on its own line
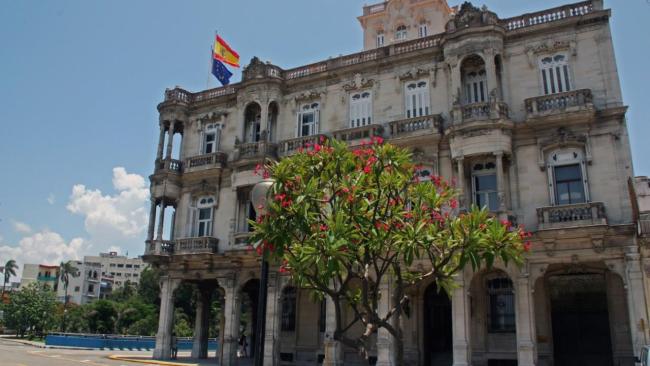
point(152, 220)
point(170, 139)
point(272, 328)
point(501, 196)
point(166, 318)
point(460, 164)
point(232, 300)
point(161, 142)
point(385, 348)
point(635, 299)
point(456, 80)
point(525, 318)
point(264, 118)
point(333, 349)
point(460, 322)
point(161, 220)
point(491, 73)
point(202, 324)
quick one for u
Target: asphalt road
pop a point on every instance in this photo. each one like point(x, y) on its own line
point(16, 354)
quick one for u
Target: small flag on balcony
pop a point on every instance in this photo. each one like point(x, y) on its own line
point(224, 53)
point(220, 71)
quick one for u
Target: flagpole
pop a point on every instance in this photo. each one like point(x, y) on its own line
point(207, 82)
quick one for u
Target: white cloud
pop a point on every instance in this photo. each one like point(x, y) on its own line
point(51, 199)
point(21, 227)
point(44, 247)
point(112, 220)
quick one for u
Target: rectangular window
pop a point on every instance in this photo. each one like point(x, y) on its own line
point(475, 87)
point(485, 191)
point(91, 288)
point(569, 188)
point(129, 266)
point(501, 309)
point(360, 109)
point(423, 31)
point(77, 289)
point(209, 143)
point(288, 318)
point(380, 40)
point(555, 74)
point(308, 119)
point(205, 222)
point(120, 265)
point(417, 99)
point(245, 210)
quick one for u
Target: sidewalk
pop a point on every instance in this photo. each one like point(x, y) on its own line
point(184, 359)
point(11, 338)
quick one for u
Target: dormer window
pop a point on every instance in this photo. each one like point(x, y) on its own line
point(400, 33)
point(555, 74)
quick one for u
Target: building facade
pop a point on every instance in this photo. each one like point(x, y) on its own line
point(44, 275)
point(524, 113)
point(118, 269)
point(83, 287)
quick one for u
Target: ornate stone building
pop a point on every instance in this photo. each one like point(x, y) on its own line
point(525, 113)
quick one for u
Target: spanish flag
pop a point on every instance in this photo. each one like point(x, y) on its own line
point(224, 53)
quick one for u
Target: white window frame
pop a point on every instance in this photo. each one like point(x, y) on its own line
point(401, 33)
point(549, 67)
point(193, 222)
point(423, 30)
point(380, 39)
point(244, 207)
point(565, 157)
point(417, 101)
point(211, 129)
point(308, 109)
point(476, 86)
point(204, 226)
point(486, 194)
point(360, 108)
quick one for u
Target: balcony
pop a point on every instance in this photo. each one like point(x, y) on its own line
point(479, 112)
point(202, 245)
point(42, 278)
point(572, 101)
point(159, 247)
point(415, 126)
point(353, 136)
point(644, 224)
point(581, 214)
point(292, 146)
point(205, 161)
point(168, 165)
point(254, 151)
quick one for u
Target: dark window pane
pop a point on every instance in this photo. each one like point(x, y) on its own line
point(288, 320)
point(562, 191)
point(486, 182)
point(566, 77)
point(205, 213)
point(550, 75)
point(545, 82)
point(568, 173)
point(577, 192)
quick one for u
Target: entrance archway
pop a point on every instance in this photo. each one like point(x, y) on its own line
point(437, 328)
point(580, 320)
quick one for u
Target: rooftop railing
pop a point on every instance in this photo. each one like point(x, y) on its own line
point(547, 16)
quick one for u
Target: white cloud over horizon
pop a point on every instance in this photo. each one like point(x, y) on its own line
point(21, 227)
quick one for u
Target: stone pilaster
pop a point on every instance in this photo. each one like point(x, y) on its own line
point(460, 166)
point(333, 349)
point(490, 71)
point(501, 195)
point(161, 142)
point(636, 299)
point(170, 140)
point(525, 318)
point(161, 220)
point(152, 220)
point(166, 318)
point(202, 325)
point(232, 300)
point(460, 323)
point(385, 348)
point(272, 329)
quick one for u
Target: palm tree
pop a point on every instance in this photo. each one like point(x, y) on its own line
point(9, 270)
point(66, 269)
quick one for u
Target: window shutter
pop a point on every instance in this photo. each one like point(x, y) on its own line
point(585, 181)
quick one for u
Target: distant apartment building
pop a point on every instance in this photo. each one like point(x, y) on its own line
point(84, 286)
point(45, 275)
point(117, 269)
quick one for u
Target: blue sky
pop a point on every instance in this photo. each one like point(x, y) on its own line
point(80, 81)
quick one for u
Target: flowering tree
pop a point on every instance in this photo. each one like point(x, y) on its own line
point(341, 221)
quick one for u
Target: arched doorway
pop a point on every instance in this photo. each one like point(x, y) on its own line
point(437, 328)
point(580, 319)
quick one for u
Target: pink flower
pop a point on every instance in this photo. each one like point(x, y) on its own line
point(367, 169)
point(527, 246)
point(323, 227)
point(453, 203)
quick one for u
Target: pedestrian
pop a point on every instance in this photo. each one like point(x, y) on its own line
point(242, 346)
point(174, 346)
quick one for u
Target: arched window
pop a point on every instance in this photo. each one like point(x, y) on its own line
point(501, 305)
point(380, 38)
point(252, 122)
point(400, 33)
point(288, 321)
point(484, 185)
point(211, 138)
point(474, 80)
point(417, 99)
point(567, 176)
point(360, 109)
point(308, 119)
point(203, 216)
point(555, 73)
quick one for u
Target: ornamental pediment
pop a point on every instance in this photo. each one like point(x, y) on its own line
point(308, 96)
point(537, 49)
point(358, 82)
point(414, 74)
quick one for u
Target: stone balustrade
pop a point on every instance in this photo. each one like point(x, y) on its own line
point(547, 16)
point(172, 165)
point(644, 224)
point(206, 160)
point(559, 102)
point(581, 214)
point(406, 127)
point(479, 111)
point(254, 150)
point(159, 247)
point(291, 146)
point(352, 135)
point(202, 245)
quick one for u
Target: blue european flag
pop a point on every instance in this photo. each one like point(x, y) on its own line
point(220, 71)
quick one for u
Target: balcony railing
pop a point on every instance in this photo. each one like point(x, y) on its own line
point(479, 111)
point(254, 150)
point(559, 102)
point(206, 160)
point(644, 225)
point(407, 127)
point(352, 135)
point(159, 247)
point(291, 146)
point(581, 214)
point(202, 245)
point(549, 15)
point(171, 165)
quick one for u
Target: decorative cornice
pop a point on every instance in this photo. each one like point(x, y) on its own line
point(357, 83)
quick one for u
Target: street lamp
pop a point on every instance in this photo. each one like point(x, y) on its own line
point(259, 199)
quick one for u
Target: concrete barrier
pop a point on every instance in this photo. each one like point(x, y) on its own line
point(101, 341)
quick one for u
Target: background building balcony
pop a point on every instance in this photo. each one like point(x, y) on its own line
point(581, 214)
point(572, 101)
point(202, 245)
point(206, 161)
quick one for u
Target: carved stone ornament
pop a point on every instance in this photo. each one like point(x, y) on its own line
point(549, 47)
point(414, 74)
point(471, 16)
point(550, 245)
point(560, 139)
point(211, 117)
point(310, 95)
point(477, 132)
point(358, 83)
point(598, 243)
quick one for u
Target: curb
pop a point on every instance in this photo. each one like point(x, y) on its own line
point(25, 342)
point(148, 361)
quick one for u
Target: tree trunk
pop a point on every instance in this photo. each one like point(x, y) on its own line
point(65, 307)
